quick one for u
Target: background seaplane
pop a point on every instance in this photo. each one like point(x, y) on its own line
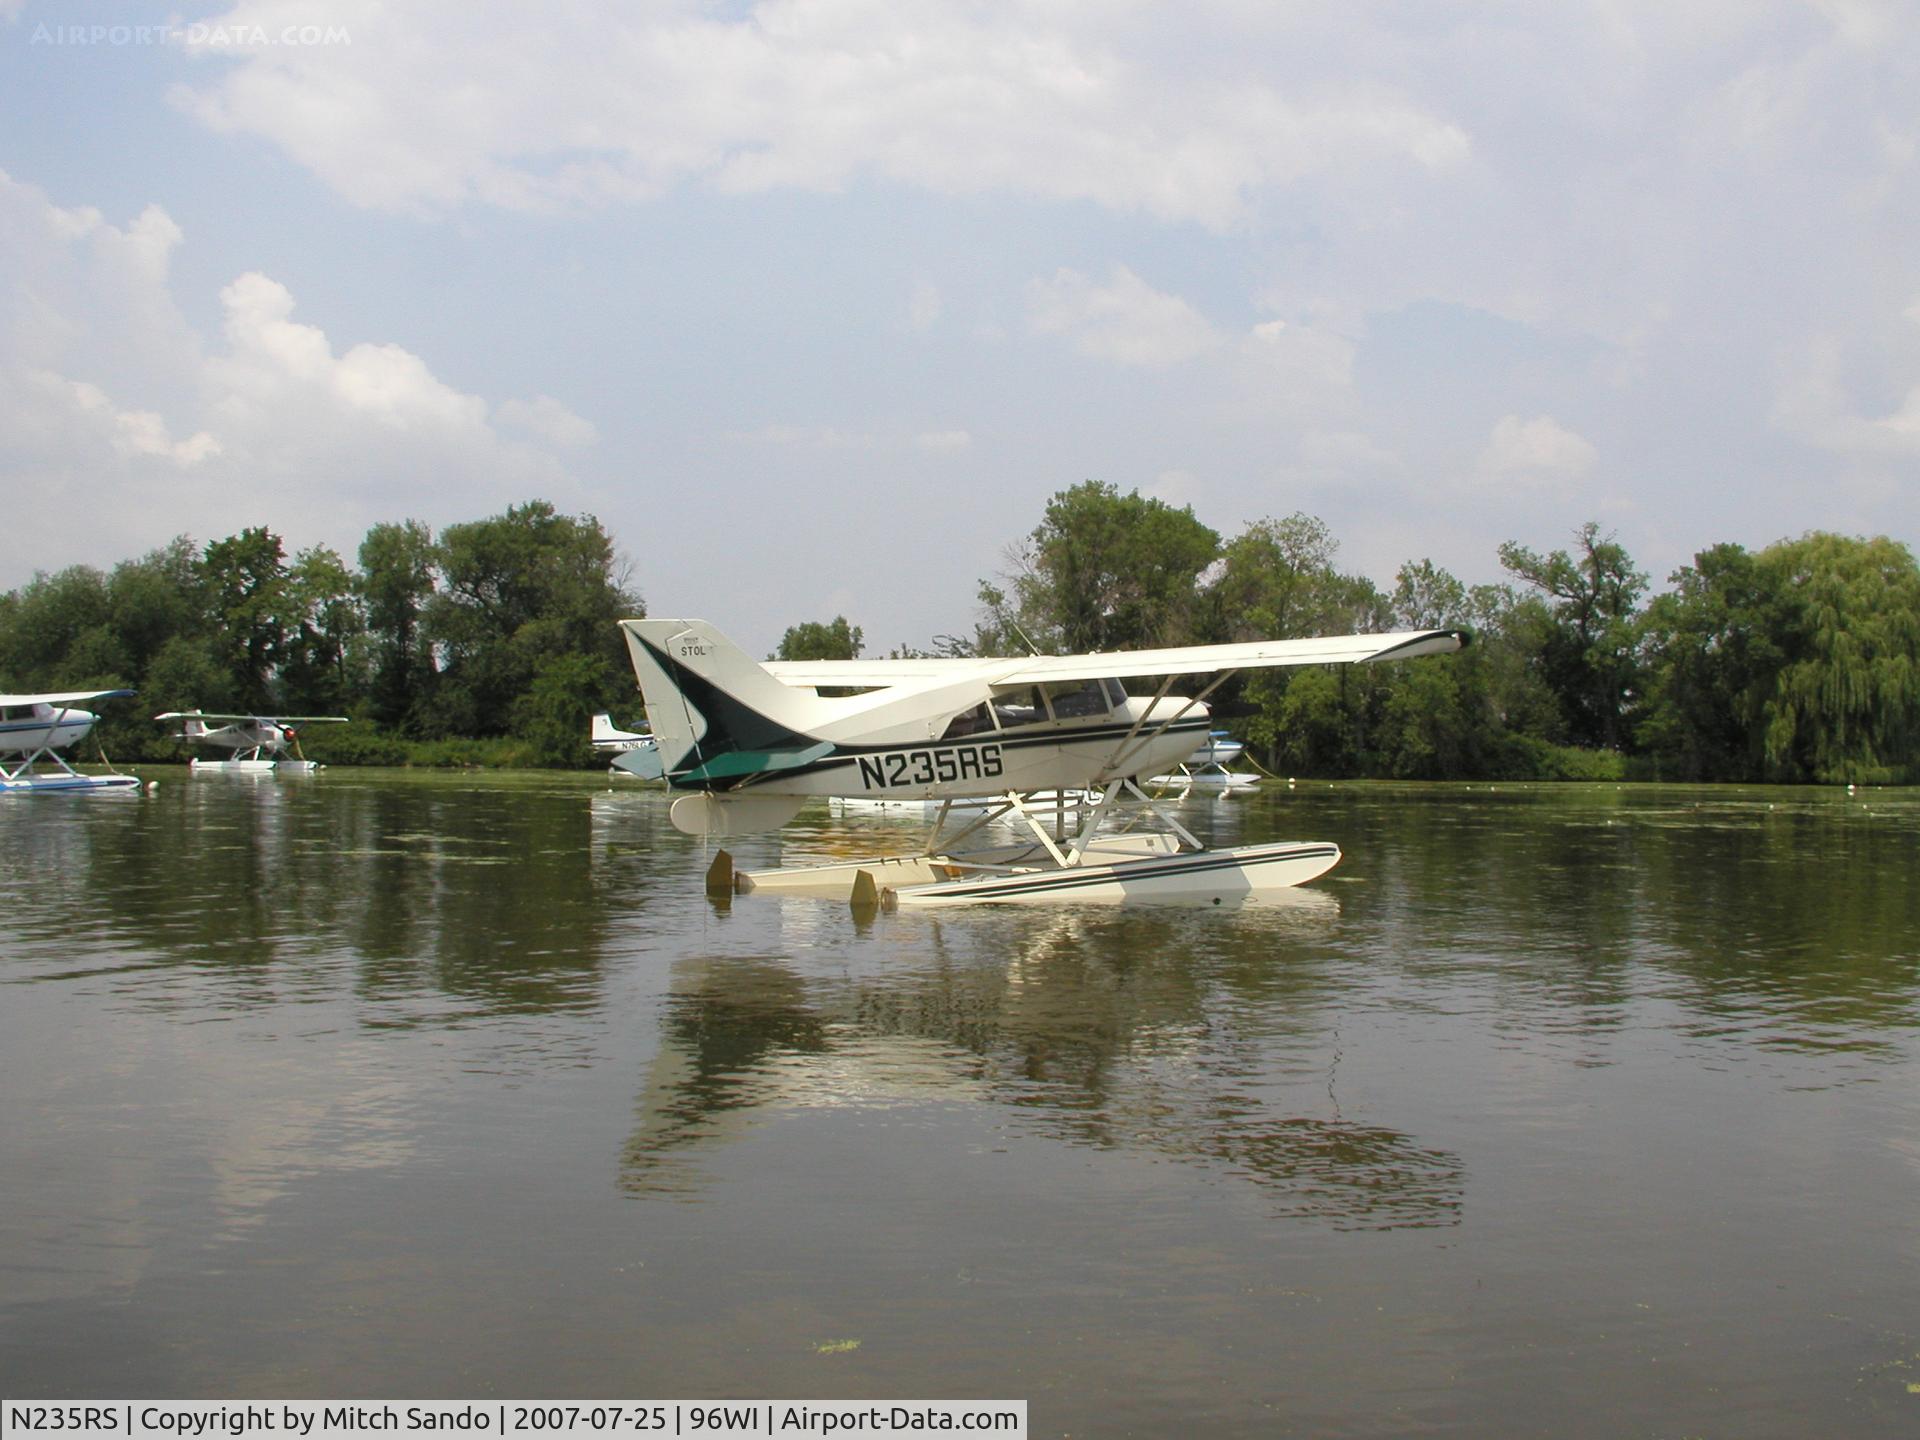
point(35, 728)
point(257, 743)
point(1210, 768)
point(751, 744)
point(629, 752)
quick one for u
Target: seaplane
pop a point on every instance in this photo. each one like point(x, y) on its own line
point(257, 744)
point(35, 728)
point(747, 745)
point(1210, 767)
point(631, 752)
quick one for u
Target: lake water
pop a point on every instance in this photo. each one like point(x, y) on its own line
point(1577, 1111)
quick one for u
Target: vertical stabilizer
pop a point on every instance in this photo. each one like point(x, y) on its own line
point(706, 697)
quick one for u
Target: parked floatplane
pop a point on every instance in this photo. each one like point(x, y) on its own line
point(631, 752)
point(255, 744)
point(34, 729)
point(1210, 768)
point(750, 744)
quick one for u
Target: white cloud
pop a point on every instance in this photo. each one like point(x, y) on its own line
point(1815, 403)
point(1125, 321)
point(1536, 452)
point(107, 395)
point(128, 433)
point(449, 101)
point(548, 418)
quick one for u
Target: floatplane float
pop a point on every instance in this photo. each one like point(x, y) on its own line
point(35, 728)
point(747, 745)
point(257, 744)
point(631, 752)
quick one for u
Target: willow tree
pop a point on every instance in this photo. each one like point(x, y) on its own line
point(1846, 705)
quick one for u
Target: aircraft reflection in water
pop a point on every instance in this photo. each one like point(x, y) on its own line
point(1078, 1042)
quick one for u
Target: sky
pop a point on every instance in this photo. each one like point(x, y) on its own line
point(814, 303)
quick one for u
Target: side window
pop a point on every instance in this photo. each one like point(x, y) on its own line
point(1116, 692)
point(969, 722)
point(1017, 707)
point(1074, 701)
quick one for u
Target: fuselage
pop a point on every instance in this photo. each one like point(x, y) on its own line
point(996, 748)
point(28, 729)
point(254, 735)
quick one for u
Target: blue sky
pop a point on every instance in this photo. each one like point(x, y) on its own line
point(814, 303)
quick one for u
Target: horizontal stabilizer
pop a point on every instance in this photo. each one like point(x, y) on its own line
point(643, 762)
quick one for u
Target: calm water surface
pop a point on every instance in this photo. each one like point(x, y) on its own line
point(1570, 1112)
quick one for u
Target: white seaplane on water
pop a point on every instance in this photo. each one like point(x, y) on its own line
point(750, 744)
point(633, 752)
point(1210, 767)
point(254, 743)
point(35, 728)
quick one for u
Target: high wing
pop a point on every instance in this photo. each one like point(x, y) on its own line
point(1124, 664)
point(1254, 655)
point(264, 719)
point(867, 674)
point(64, 697)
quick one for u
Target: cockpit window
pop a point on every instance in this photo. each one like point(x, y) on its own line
point(1022, 706)
point(969, 722)
point(1087, 697)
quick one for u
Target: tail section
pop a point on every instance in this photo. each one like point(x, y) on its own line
point(717, 715)
point(605, 732)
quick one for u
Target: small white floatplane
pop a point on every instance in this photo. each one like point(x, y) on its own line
point(633, 752)
point(750, 744)
point(1210, 767)
point(35, 728)
point(256, 743)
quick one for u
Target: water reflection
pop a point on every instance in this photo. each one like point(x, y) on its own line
point(1107, 1030)
point(438, 891)
point(1785, 918)
point(336, 1084)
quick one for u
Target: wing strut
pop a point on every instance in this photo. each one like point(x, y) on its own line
point(1129, 747)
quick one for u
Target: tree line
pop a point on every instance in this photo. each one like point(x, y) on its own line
point(493, 641)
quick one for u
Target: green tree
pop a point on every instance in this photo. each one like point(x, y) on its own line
point(395, 584)
point(518, 590)
point(1846, 706)
point(556, 713)
point(323, 660)
point(1102, 571)
point(51, 621)
point(1587, 647)
point(1713, 662)
point(246, 584)
point(1277, 580)
point(813, 640)
point(156, 599)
